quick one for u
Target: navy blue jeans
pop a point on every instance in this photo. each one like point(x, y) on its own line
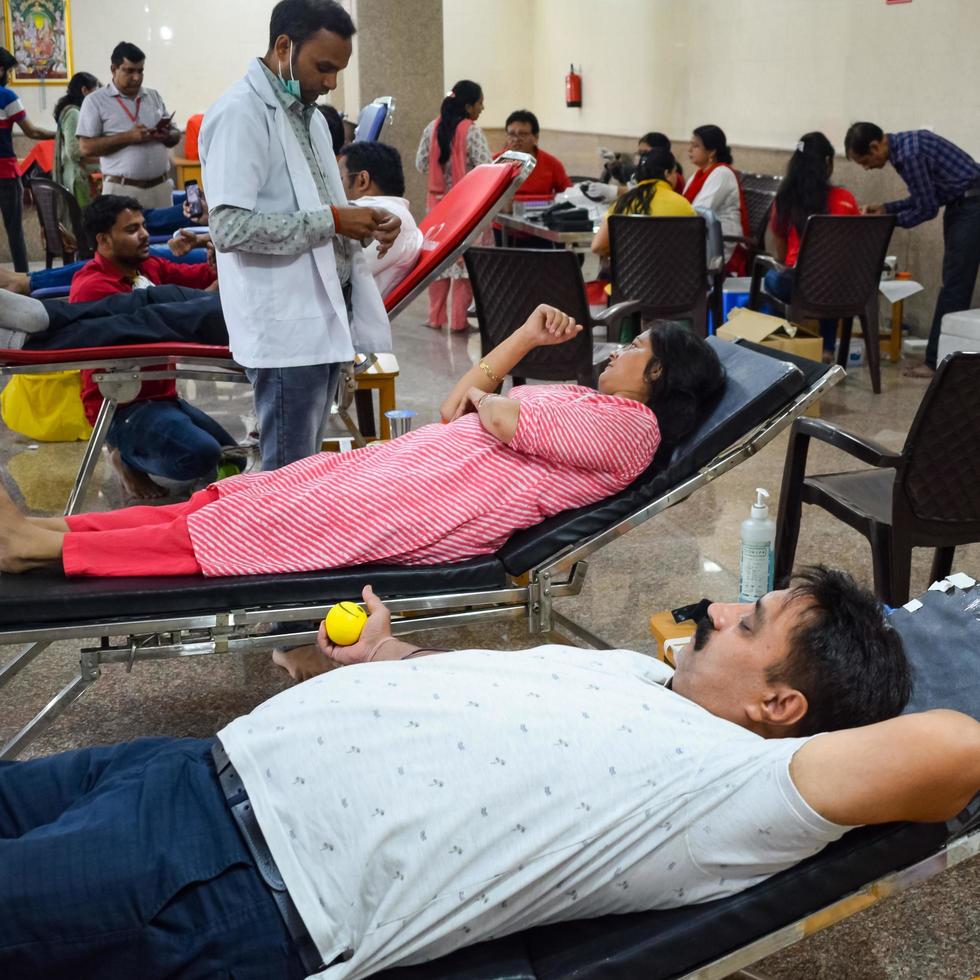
point(124, 861)
point(168, 438)
point(292, 404)
point(779, 283)
point(961, 261)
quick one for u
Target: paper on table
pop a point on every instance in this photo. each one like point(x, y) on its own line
point(961, 580)
point(912, 605)
point(895, 289)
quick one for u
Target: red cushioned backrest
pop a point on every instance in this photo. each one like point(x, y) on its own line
point(190, 137)
point(446, 226)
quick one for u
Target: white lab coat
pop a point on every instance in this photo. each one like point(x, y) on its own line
point(282, 310)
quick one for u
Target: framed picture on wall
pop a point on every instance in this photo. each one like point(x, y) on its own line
point(38, 33)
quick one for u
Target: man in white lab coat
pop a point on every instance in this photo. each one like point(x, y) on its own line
point(297, 295)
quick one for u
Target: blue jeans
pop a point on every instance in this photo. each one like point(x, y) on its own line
point(168, 438)
point(124, 861)
point(292, 405)
point(961, 261)
point(62, 275)
point(779, 283)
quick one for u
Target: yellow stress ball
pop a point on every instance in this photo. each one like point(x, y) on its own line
point(344, 623)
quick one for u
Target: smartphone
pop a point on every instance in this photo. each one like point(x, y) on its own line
point(194, 206)
point(164, 122)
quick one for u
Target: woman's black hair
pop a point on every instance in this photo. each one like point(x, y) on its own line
point(74, 95)
point(713, 138)
point(803, 191)
point(452, 112)
point(654, 165)
point(690, 381)
point(660, 141)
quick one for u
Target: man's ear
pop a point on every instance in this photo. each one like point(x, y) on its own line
point(779, 711)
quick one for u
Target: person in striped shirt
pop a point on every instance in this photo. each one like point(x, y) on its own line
point(442, 493)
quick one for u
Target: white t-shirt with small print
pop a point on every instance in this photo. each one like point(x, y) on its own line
point(418, 806)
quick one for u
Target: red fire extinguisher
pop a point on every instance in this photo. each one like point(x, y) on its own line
point(573, 88)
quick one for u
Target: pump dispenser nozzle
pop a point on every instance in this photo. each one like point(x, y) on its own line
point(760, 509)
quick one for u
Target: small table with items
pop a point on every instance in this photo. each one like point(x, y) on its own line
point(579, 241)
point(897, 291)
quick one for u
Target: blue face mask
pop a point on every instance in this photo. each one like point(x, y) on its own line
point(292, 85)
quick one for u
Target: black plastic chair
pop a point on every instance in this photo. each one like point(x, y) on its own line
point(661, 264)
point(55, 204)
point(926, 496)
point(837, 277)
point(508, 283)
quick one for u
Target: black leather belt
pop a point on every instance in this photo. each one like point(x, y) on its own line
point(241, 809)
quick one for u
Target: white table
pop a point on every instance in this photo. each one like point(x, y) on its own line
point(897, 291)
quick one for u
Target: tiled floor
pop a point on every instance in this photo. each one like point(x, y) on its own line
point(689, 552)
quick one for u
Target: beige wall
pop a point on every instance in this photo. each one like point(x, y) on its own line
point(765, 70)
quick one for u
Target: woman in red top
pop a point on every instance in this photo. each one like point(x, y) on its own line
point(805, 190)
point(442, 493)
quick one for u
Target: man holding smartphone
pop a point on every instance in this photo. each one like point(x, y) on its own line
point(128, 127)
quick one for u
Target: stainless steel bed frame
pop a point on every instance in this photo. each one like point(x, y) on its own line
point(733, 964)
point(530, 596)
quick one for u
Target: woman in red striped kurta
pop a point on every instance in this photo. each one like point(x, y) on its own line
point(440, 494)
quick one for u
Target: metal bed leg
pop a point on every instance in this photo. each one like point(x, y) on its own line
point(564, 627)
point(68, 695)
point(96, 441)
point(21, 660)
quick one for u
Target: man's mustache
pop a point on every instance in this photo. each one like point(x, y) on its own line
point(704, 629)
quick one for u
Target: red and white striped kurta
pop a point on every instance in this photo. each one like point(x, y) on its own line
point(441, 493)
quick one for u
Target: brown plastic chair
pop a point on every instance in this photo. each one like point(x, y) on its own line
point(837, 276)
point(661, 264)
point(55, 204)
point(926, 496)
point(508, 283)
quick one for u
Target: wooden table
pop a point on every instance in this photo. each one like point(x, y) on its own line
point(186, 170)
point(379, 377)
point(897, 291)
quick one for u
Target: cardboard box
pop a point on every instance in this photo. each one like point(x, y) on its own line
point(773, 331)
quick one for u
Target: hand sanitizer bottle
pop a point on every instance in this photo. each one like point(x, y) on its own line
point(756, 566)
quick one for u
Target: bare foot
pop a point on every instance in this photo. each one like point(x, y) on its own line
point(22, 544)
point(302, 663)
point(135, 483)
point(15, 282)
point(919, 371)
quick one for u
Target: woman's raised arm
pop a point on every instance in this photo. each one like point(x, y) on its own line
point(544, 326)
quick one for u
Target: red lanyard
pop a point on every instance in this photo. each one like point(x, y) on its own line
point(125, 108)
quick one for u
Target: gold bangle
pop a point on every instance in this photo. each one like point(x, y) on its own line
point(485, 368)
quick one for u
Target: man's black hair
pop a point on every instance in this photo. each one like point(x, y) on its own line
point(524, 116)
point(843, 656)
point(101, 214)
point(335, 123)
point(126, 51)
point(859, 138)
point(381, 161)
point(299, 20)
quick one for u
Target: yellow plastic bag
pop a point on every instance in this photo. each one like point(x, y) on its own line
point(46, 407)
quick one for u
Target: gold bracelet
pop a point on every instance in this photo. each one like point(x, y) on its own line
point(485, 368)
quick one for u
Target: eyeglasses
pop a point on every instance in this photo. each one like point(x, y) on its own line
point(519, 136)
